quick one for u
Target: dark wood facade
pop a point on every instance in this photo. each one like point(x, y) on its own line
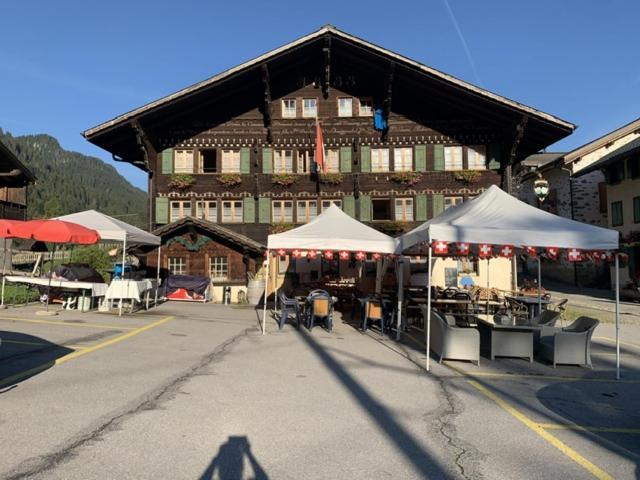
point(14, 181)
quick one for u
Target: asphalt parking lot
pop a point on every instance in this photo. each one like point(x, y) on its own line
point(194, 391)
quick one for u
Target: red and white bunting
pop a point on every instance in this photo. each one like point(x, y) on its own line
point(312, 254)
point(376, 256)
point(328, 255)
point(485, 250)
point(531, 251)
point(361, 256)
point(574, 255)
point(440, 248)
point(296, 253)
point(462, 248)
point(506, 251)
point(281, 252)
point(344, 255)
point(552, 253)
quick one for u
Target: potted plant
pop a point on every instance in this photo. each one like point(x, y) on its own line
point(181, 181)
point(406, 178)
point(467, 176)
point(330, 178)
point(389, 227)
point(284, 179)
point(230, 179)
point(281, 227)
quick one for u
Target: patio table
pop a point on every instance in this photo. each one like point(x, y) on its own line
point(506, 340)
point(531, 303)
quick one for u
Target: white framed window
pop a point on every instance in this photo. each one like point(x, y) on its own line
point(345, 107)
point(179, 209)
point(282, 161)
point(332, 162)
point(218, 269)
point(452, 201)
point(282, 211)
point(183, 161)
point(309, 107)
point(207, 210)
point(379, 159)
point(404, 209)
point(452, 158)
point(366, 107)
point(232, 211)
point(289, 108)
point(177, 265)
point(306, 210)
point(305, 159)
point(403, 159)
point(230, 161)
point(477, 157)
point(327, 203)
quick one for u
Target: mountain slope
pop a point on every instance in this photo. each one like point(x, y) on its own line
point(69, 182)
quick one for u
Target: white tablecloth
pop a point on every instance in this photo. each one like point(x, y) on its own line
point(97, 289)
point(129, 289)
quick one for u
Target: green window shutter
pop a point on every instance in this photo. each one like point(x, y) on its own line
point(349, 205)
point(162, 210)
point(249, 210)
point(245, 160)
point(420, 156)
point(438, 204)
point(264, 210)
point(365, 208)
point(438, 158)
point(267, 160)
point(167, 160)
point(421, 208)
point(365, 159)
point(494, 157)
point(345, 159)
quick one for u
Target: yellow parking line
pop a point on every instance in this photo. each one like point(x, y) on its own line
point(563, 426)
point(564, 448)
point(51, 322)
point(78, 353)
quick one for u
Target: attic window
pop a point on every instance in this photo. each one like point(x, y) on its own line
point(208, 161)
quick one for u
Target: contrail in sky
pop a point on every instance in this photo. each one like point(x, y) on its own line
point(464, 43)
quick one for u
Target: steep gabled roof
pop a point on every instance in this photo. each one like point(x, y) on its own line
point(627, 149)
point(600, 142)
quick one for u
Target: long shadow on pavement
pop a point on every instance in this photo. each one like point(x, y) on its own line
point(229, 462)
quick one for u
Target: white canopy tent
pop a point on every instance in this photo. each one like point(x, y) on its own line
point(331, 230)
point(495, 217)
point(110, 228)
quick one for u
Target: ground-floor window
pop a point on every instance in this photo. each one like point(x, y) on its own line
point(177, 265)
point(232, 211)
point(219, 269)
point(404, 209)
point(616, 214)
point(380, 209)
point(452, 201)
point(327, 203)
point(179, 209)
point(282, 211)
point(306, 210)
point(207, 210)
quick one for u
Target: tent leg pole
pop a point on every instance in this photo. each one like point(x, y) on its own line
point(155, 301)
point(488, 291)
point(427, 327)
point(400, 270)
point(124, 254)
point(266, 292)
point(50, 274)
point(617, 317)
point(539, 286)
point(3, 281)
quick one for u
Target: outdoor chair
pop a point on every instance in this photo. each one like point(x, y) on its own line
point(320, 306)
point(518, 311)
point(451, 342)
point(544, 322)
point(560, 307)
point(570, 345)
point(288, 306)
point(373, 312)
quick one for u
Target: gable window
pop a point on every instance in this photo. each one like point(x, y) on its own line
point(231, 161)
point(305, 159)
point(232, 211)
point(207, 210)
point(183, 161)
point(282, 161)
point(332, 162)
point(453, 158)
point(282, 211)
point(379, 159)
point(289, 108)
point(327, 203)
point(218, 269)
point(309, 108)
point(177, 265)
point(345, 107)
point(403, 159)
point(179, 209)
point(452, 201)
point(477, 157)
point(380, 209)
point(306, 210)
point(616, 214)
point(404, 209)
point(366, 107)
point(208, 161)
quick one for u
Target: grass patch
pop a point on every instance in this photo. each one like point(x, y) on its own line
point(19, 294)
point(574, 312)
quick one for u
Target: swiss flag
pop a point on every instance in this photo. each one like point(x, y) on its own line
point(344, 255)
point(440, 248)
point(328, 255)
point(574, 255)
point(319, 153)
point(531, 251)
point(506, 251)
point(361, 256)
point(376, 256)
point(485, 250)
point(296, 253)
point(462, 248)
point(552, 253)
point(312, 254)
point(281, 252)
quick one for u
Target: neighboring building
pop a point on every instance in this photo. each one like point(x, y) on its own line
point(577, 191)
point(403, 141)
point(14, 180)
point(621, 170)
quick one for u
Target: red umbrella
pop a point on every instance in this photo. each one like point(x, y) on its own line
point(6, 226)
point(55, 231)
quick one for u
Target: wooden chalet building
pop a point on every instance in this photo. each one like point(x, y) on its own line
point(403, 142)
point(14, 181)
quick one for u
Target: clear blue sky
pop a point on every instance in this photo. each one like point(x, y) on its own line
point(68, 65)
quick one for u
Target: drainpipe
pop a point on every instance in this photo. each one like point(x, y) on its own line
point(575, 265)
